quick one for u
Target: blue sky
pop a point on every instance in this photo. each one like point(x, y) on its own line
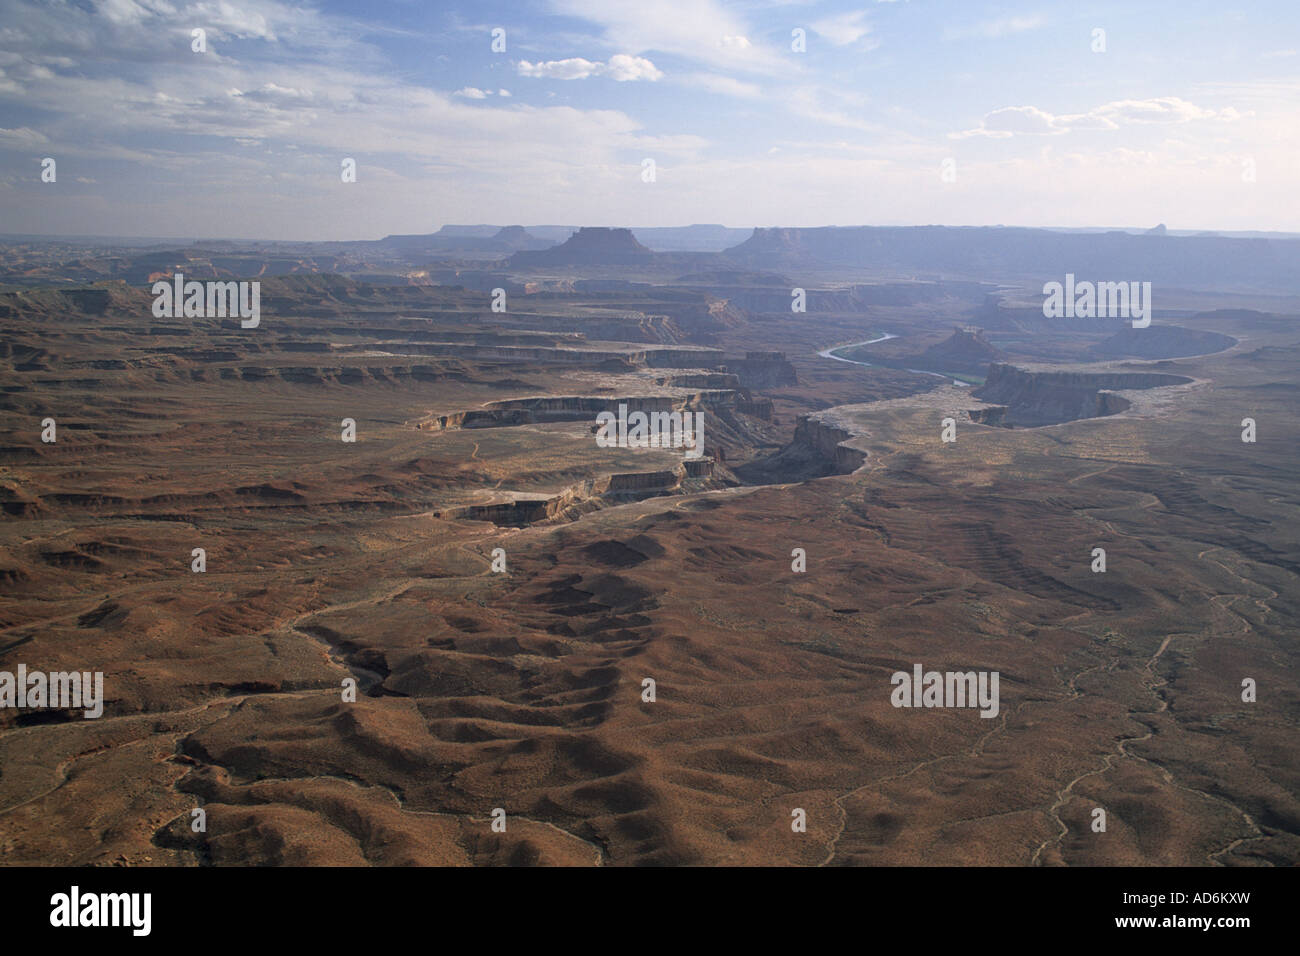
point(1190, 115)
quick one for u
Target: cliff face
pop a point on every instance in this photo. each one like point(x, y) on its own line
point(826, 441)
point(763, 370)
point(1029, 399)
point(1003, 376)
point(595, 493)
point(815, 451)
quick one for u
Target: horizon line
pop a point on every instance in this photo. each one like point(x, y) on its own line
point(198, 240)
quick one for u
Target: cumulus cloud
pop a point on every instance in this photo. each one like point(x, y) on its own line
point(1014, 120)
point(1164, 109)
point(620, 67)
point(574, 68)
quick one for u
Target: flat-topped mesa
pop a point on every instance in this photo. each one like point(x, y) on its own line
point(590, 245)
point(1003, 375)
point(1028, 398)
point(578, 408)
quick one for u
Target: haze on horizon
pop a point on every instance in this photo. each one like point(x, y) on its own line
point(1188, 117)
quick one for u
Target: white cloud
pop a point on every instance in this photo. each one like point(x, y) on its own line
point(274, 94)
point(997, 28)
point(621, 67)
point(1020, 119)
point(1093, 120)
point(21, 137)
point(1164, 109)
point(1231, 114)
point(129, 11)
point(223, 19)
point(1031, 121)
point(724, 85)
point(574, 68)
point(220, 18)
point(1011, 121)
point(844, 29)
point(472, 93)
point(709, 32)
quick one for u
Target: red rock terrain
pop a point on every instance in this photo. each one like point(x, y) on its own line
point(523, 690)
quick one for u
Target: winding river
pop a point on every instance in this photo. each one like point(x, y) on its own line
point(830, 354)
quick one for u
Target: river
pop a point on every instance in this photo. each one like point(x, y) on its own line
point(829, 353)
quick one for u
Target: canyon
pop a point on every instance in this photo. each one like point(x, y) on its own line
point(499, 585)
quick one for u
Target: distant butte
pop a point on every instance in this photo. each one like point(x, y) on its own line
point(590, 245)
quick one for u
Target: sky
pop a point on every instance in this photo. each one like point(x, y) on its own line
point(1067, 114)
